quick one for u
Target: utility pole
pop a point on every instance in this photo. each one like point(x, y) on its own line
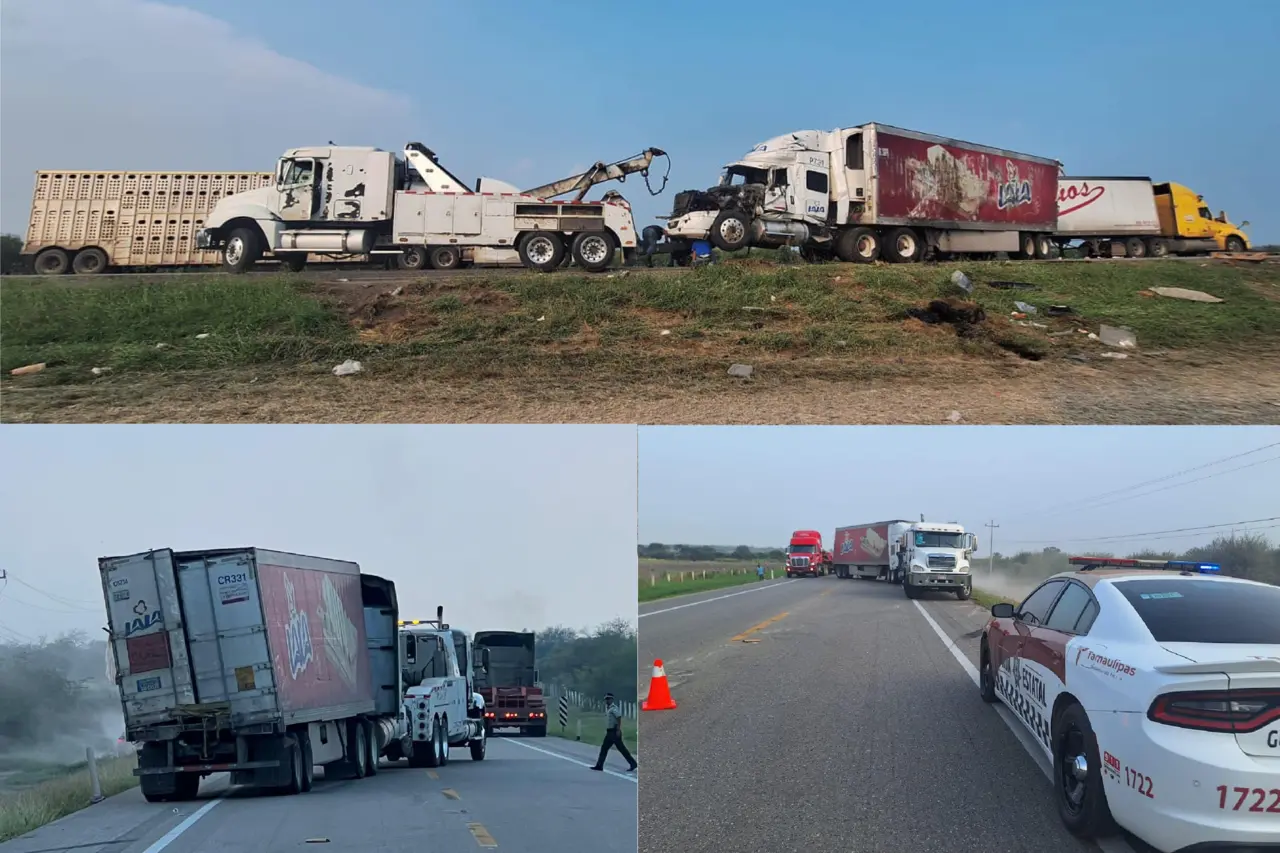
point(991, 546)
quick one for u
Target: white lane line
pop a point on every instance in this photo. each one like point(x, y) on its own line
point(630, 777)
point(1108, 845)
point(718, 598)
point(172, 835)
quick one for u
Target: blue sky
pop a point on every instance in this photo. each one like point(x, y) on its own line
point(508, 527)
point(1042, 485)
point(528, 92)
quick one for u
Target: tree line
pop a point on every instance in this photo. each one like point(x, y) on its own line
point(595, 662)
point(708, 553)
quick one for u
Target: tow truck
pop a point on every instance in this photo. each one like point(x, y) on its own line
point(359, 201)
point(440, 708)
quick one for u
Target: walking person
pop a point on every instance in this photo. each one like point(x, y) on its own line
point(760, 571)
point(613, 734)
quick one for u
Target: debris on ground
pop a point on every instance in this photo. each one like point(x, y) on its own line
point(1024, 307)
point(961, 281)
point(162, 346)
point(1117, 337)
point(665, 332)
point(955, 312)
point(741, 371)
point(28, 369)
point(955, 417)
point(348, 368)
point(399, 290)
point(1184, 293)
point(1059, 310)
point(100, 371)
point(1252, 257)
point(202, 336)
point(1115, 355)
point(1011, 285)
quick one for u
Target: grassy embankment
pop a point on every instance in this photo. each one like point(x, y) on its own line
point(34, 796)
point(593, 730)
point(665, 578)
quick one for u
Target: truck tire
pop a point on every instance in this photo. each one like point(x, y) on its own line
point(432, 758)
point(358, 749)
point(444, 258)
point(1135, 247)
point(542, 251)
point(444, 742)
point(1073, 736)
point(963, 593)
point(858, 246)
point(593, 250)
point(52, 262)
point(371, 738)
point(242, 251)
point(903, 246)
point(1026, 248)
point(478, 746)
point(1044, 247)
point(731, 231)
point(1157, 248)
point(412, 258)
point(539, 731)
point(911, 591)
point(293, 754)
point(186, 787)
point(293, 262)
point(1234, 244)
point(89, 261)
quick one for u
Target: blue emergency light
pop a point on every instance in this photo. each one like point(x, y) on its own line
point(1192, 566)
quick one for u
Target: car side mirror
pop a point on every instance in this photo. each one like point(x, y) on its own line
point(1244, 224)
point(1002, 610)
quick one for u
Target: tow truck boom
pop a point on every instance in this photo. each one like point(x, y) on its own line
point(600, 173)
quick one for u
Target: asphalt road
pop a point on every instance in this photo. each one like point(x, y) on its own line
point(527, 795)
point(830, 714)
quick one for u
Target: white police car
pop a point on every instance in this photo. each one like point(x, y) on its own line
point(1154, 687)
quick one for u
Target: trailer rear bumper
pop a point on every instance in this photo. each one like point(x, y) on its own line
point(204, 768)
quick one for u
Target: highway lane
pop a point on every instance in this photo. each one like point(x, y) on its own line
point(527, 795)
point(832, 714)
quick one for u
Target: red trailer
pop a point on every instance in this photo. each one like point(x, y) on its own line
point(866, 550)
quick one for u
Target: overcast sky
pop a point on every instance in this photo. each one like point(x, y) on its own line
point(508, 527)
point(1042, 485)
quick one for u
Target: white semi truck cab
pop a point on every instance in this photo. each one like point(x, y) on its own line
point(440, 707)
point(359, 201)
point(934, 555)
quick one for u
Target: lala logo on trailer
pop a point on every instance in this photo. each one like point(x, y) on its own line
point(143, 619)
point(297, 634)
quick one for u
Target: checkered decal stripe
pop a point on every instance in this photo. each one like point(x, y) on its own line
point(1023, 707)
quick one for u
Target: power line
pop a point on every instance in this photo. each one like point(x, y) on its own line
point(1075, 504)
point(1184, 483)
point(59, 599)
point(1202, 527)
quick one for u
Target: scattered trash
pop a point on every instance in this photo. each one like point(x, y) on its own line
point(1078, 358)
point(840, 278)
point(1092, 336)
point(317, 841)
point(1060, 334)
point(1024, 307)
point(202, 336)
point(344, 280)
point(665, 332)
point(399, 290)
point(1115, 355)
point(961, 281)
point(741, 371)
point(1011, 285)
point(1240, 256)
point(1059, 310)
point(162, 346)
point(1038, 325)
point(1017, 315)
point(624, 273)
point(963, 315)
point(1117, 337)
point(955, 417)
point(99, 371)
point(543, 317)
point(348, 367)
point(28, 369)
point(1184, 293)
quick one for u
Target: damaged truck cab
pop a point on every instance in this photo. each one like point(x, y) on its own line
point(873, 191)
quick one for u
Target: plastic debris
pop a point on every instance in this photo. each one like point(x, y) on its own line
point(100, 371)
point(741, 371)
point(1115, 355)
point(28, 369)
point(961, 281)
point(1024, 307)
point(348, 368)
point(202, 336)
point(1113, 336)
point(1184, 293)
point(955, 417)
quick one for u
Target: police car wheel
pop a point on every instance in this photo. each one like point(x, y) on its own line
point(986, 678)
point(1077, 771)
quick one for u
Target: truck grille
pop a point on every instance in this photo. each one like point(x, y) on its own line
point(945, 562)
point(799, 562)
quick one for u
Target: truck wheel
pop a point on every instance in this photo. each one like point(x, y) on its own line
point(413, 258)
point(1077, 771)
point(444, 741)
point(1044, 247)
point(962, 594)
point(1026, 248)
point(1157, 248)
point(52, 262)
point(593, 250)
point(540, 731)
point(372, 740)
point(294, 262)
point(432, 758)
point(1135, 247)
point(478, 746)
point(293, 752)
point(1234, 244)
point(89, 262)
point(358, 749)
point(858, 245)
point(308, 777)
point(911, 591)
point(731, 231)
point(242, 251)
point(542, 251)
point(986, 678)
point(902, 247)
point(445, 258)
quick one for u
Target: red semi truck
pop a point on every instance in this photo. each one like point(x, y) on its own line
point(874, 191)
point(509, 685)
point(805, 555)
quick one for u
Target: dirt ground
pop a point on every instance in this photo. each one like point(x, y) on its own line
point(1147, 388)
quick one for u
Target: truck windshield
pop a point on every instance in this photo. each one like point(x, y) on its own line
point(736, 176)
point(804, 549)
point(926, 539)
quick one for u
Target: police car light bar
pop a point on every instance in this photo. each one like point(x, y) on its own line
point(1090, 563)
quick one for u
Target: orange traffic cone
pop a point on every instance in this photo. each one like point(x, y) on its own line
point(659, 698)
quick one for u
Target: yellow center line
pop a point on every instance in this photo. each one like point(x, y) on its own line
point(765, 624)
point(431, 774)
point(481, 835)
point(451, 794)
